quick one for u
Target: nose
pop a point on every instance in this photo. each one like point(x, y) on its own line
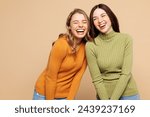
point(80, 24)
point(100, 20)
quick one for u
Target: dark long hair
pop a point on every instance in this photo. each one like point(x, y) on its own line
point(114, 21)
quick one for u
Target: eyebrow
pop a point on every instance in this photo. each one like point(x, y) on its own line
point(100, 14)
point(103, 13)
point(78, 20)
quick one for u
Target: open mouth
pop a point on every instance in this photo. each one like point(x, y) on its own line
point(102, 25)
point(80, 31)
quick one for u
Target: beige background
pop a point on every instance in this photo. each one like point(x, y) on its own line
point(28, 27)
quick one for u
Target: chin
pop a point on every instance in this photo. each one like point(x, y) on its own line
point(104, 32)
point(80, 36)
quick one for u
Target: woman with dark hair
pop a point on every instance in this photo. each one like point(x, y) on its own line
point(67, 61)
point(109, 57)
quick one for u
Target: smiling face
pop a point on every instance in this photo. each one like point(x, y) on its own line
point(102, 21)
point(78, 26)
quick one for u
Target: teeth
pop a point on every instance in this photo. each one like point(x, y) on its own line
point(101, 26)
point(80, 30)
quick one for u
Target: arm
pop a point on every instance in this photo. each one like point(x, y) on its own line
point(126, 71)
point(95, 73)
point(76, 81)
point(56, 57)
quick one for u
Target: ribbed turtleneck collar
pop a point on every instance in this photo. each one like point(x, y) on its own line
point(107, 36)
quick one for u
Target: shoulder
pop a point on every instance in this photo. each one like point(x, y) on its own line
point(89, 44)
point(124, 37)
point(90, 47)
point(62, 41)
point(126, 40)
point(60, 45)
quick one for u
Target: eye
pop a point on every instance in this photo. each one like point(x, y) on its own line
point(103, 15)
point(84, 21)
point(75, 22)
point(94, 18)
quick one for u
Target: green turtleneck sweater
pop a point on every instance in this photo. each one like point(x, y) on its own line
point(109, 59)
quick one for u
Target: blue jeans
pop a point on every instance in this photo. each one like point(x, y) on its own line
point(37, 96)
point(133, 97)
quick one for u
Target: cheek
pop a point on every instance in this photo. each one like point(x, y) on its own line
point(95, 23)
point(73, 31)
point(109, 24)
point(72, 28)
point(108, 21)
point(86, 26)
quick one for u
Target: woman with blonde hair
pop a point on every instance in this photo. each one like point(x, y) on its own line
point(67, 61)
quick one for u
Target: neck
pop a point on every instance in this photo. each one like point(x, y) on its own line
point(108, 35)
point(77, 41)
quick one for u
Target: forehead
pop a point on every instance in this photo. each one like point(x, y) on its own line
point(98, 11)
point(78, 16)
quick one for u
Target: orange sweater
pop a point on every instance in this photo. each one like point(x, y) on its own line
point(64, 71)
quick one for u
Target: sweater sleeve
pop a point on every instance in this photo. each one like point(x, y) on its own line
point(56, 57)
point(76, 81)
point(95, 72)
point(126, 71)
